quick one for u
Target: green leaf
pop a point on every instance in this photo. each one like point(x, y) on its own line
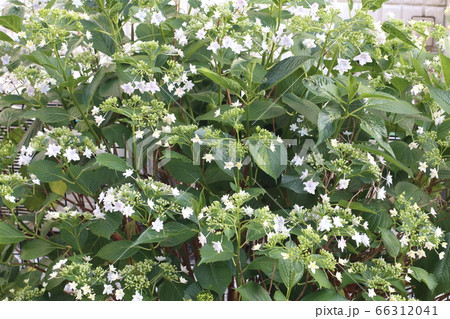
point(214, 276)
point(117, 250)
point(182, 168)
point(356, 206)
point(263, 110)
point(49, 115)
point(441, 97)
point(253, 292)
point(326, 124)
point(172, 235)
point(106, 227)
point(321, 278)
point(372, 4)
point(390, 28)
point(223, 82)
point(307, 108)
point(272, 163)
point(283, 69)
point(46, 171)
point(112, 161)
point(324, 295)
point(422, 275)
point(11, 22)
point(5, 37)
point(290, 271)
point(171, 291)
point(445, 64)
point(35, 249)
point(399, 106)
point(10, 234)
point(374, 126)
point(209, 255)
point(8, 116)
point(387, 157)
point(412, 193)
point(391, 242)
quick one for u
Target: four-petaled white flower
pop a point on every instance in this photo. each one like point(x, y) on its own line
point(286, 41)
point(128, 88)
point(343, 183)
point(304, 174)
point(87, 152)
point(197, 139)
point(187, 212)
point(208, 158)
point(313, 267)
point(423, 166)
point(389, 179)
point(343, 66)
point(309, 43)
point(325, 224)
point(119, 294)
point(413, 145)
point(6, 59)
point(128, 172)
point(157, 18)
point(202, 239)
point(217, 246)
point(363, 58)
point(77, 3)
point(108, 289)
point(371, 293)
point(71, 154)
point(53, 150)
point(141, 15)
point(228, 165)
point(137, 296)
point(342, 243)
point(434, 173)
point(158, 225)
point(381, 193)
point(310, 186)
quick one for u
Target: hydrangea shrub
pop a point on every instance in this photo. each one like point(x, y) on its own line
point(222, 150)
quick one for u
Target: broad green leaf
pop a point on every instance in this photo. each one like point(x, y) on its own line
point(46, 171)
point(182, 168)
point(390, 28)
point(267, 265)
point(35, 249)
point(49, 115)
point(422, 275)
point(304, 107)
point(399, 106)
point(214, 276)
point(320, 276)
point(283, 69)
point(223, 82)
point(10, 234)
point(412, 192)
point(356, 206)
point(326, 124)
point(372, 4)
point(117, 250)
point(445, 64)
point(209, 255)
point(290, 271)
point(11, 22)
point(324, 295)
point(420, 70)
point(172, 235)
point(391, 242)
point(263, 110)
point(209, 97)
point(253, 292)
point(5, 37)
point(387, 157)
point(171, 291)
point(112, 161)
point(441, 97)
point(271, 162)
point(8, 116)
point(374, 126)
point(58, 187)
point(106, 227)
